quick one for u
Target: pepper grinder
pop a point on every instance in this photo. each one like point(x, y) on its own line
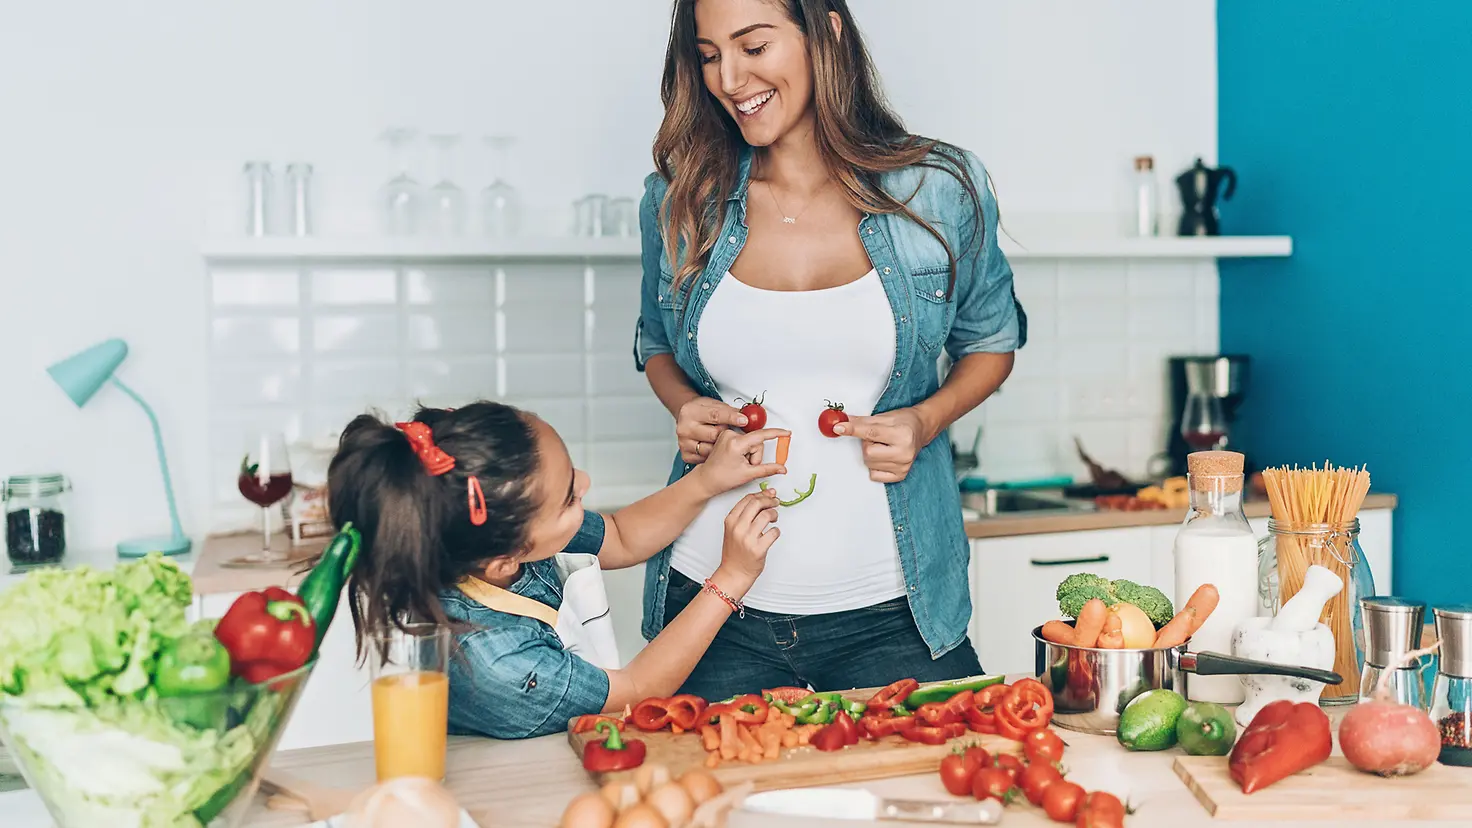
point(1392, 629)
point(1451, 702)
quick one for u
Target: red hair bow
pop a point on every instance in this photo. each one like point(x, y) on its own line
point(434, 458)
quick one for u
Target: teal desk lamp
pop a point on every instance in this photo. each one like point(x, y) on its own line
point(82, 376)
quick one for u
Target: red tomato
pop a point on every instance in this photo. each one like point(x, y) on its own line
point(831, 416)
point(1043, 746)
point(1011, 763)
point(956, 773)
point(1060, 800)
point(831, 737)
point(1035, 779)
point(1100, 810)
point(993, 783)
point(756, 416)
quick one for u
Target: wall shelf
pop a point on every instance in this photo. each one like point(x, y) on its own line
point(247, 250)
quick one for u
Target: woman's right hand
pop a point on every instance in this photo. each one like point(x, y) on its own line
point(699, 423)
point(744, 553)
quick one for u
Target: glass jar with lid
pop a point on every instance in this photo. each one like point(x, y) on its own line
point(1284, 557)
point(35, 519)
point(1451, 700)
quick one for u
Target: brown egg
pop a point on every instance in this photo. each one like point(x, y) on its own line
point(672, 801)
point(648, 777)
point(589, 810)
point(700, 785)
point(642, 815)
point(620, 794)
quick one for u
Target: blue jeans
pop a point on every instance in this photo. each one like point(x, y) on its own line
point(869, 647)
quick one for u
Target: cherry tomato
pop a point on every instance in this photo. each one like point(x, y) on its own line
point(1060, 800)
point(1011, 763)
point(831, 416)
point(1035, 779)
point(956, 773)
point(993, 783)
point(1042, 746)
point(1100, 810)
point(756, 416)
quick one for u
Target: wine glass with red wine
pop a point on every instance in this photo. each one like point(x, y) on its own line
point(265, 480)
point(1204, 423)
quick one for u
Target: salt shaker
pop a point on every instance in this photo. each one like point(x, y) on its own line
point(299, 185)
point(1451, 701)
point(1392, 629)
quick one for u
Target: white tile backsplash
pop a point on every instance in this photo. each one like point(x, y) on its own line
point(557, 339)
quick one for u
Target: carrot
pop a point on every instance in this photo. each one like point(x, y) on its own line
point(789, 738)
point(805, 733)
point(783, 443)
point(710, 738)
point(730, 740)
point(751, 749)
point(1112, 636)
point(1058, 632)
point(1186, 622)
point(774, 714)
point(1090, 623)
point(676, 729)
point(712, 760)
point(789, 720)
point(771, 740)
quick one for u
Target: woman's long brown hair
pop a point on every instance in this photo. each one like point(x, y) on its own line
point(698, 146)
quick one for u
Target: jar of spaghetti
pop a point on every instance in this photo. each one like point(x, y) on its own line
point(1284, 557)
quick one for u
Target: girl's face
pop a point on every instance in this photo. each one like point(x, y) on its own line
point(559, 489)
point(756, 65)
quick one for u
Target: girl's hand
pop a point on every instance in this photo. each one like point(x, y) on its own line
point(735, 460)
point(744, 553)
point(699, 423)
point(891, 441)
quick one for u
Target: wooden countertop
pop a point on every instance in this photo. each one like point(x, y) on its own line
point(528, 783)
point(212, 576)
point(1012, 525)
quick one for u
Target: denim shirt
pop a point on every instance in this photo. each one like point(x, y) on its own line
point(980, 315)
point(510, 677)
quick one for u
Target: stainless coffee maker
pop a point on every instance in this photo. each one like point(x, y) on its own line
point(1205, 392)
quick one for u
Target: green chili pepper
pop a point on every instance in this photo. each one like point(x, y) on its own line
point(322, 587)
point(801, 496)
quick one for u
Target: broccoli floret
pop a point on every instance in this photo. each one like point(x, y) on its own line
point(1147, 598)
point(1077, 589)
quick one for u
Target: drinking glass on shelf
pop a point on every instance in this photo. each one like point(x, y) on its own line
point(621, 217)
point(401, 198)
point(1203, 423)
point(589, 212)
point(446, 199)
point(411, 700)
point(265, 480)
point(500, 203)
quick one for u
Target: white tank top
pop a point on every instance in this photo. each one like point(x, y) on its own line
point(799, 348)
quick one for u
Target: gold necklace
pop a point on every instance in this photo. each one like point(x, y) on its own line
point(786, 219)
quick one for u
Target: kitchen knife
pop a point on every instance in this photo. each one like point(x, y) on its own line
point(859, 804)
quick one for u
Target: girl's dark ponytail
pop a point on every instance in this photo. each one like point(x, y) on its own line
point(418, 537)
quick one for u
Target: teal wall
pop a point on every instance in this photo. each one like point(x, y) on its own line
point(1350, 127)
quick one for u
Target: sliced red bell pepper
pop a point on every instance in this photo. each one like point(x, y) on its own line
point(982, 717)
point(1028, 705)
point(894, 694)
point(651, 714)
point(589, 723)
point(936, 714)
point(845, 725)
point(614, 753)
point(747, 709)
point(267, 634)
point(883, 723)
point(934, 734)
point(685, 709)
point(1283, 739)
point(961, 703)
point(829, 737)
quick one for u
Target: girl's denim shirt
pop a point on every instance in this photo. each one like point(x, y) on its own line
point(981, 315)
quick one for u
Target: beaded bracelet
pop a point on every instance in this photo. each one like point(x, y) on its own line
point(736, 606)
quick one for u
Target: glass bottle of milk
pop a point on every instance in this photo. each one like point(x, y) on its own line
point(1215, 546)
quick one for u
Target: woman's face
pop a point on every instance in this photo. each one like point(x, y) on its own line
point(559, 491)
point(755, 62)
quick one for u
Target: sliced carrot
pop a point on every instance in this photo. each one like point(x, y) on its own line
point(676, 729)
point(789, 738)
point(730, 741)
point(713, 760)
point(773, 714)
point(710, 738)
point(783, 443)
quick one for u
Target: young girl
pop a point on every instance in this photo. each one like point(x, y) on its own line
point(462, 512)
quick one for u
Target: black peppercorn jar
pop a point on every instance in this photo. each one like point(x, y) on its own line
point(35, 519)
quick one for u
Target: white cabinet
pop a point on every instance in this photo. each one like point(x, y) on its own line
point(1014, 581)
point(336, 706)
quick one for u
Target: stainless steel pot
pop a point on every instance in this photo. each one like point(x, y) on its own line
point(1091, 686)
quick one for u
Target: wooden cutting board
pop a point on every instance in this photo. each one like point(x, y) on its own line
point(800, 767)
point(1332, 790)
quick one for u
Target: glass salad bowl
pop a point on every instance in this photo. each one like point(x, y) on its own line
point(180, 762)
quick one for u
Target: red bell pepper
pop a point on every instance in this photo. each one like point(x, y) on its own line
point(684, 711)
point(614, 753)
point(651, 714)
point(1283, 739)
point(747, 709)
point(934, 734)
point(267, 634)
point(982, 717)
point(846, 725)
point(936, 714)
point(884, 722)
point(895, 694)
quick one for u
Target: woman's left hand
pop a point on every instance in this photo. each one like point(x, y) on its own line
point(891, 441)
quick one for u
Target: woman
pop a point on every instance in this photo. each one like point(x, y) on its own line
point(800, 248)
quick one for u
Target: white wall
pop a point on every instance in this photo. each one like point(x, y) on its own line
point(125, 130)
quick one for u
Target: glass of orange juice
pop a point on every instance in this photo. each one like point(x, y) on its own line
point(411, 700)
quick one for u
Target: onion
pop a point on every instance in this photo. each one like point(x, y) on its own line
point(1384, 737)
point(422, 803)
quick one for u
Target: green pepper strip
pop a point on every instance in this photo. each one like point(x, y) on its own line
point(856, 709)
point(801, 496)
point(615, 740)
point(821, 714)
point(830, 697)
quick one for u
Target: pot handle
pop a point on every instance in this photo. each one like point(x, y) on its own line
point(1216, 664)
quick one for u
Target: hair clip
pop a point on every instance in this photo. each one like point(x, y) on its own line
point(477, 500)
point(421, 438)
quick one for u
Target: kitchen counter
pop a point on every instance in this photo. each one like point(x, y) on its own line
point(528, 783)
point(1012, 525)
